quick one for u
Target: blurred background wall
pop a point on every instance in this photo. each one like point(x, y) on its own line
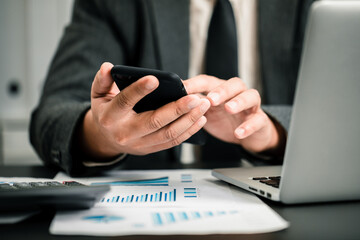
point(29, 33)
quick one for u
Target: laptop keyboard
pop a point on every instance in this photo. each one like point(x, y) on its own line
point(271, 181)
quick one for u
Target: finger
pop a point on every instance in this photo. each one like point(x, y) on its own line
point(252, 125)
point(249, 99)
point(184, 126)
point(128, 97)
point(103, 81)
point(201, 84)
point(161, 117)
point(180, 139)
point(226, 91)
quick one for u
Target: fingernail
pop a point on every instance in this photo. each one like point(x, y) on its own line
point(240, 132)
point(202, 121)
point(204, 107)
point(232, 105)
point(215, 97)
point(194, 103)
point(150, 85)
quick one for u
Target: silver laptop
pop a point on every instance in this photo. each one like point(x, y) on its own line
point(322, 158)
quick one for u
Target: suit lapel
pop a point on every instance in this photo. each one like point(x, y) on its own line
point(171, 20)
point(277, 28)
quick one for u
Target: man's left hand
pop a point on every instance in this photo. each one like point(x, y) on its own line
point(235, 115)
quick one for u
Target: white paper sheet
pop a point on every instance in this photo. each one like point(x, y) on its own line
point(167, 202)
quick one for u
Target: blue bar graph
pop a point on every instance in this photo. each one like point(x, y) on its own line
point(163, 218)
point(190, 192)
point(141, 198)
point(186, 178)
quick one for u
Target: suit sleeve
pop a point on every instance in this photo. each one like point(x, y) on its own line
point(281, 113)
point(87, 42)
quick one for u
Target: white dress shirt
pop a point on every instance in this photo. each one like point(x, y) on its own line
point(245, 13)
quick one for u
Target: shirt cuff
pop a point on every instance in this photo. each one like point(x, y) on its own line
point(102, 164)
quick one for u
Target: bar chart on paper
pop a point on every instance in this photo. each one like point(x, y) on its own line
point(190, 192)
point(134, 196)
point(186, 178)
point(173, 217)
point(166, 202)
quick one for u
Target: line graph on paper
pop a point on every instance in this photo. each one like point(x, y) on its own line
point(161, 181)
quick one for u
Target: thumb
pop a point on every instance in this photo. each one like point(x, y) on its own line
point(103, 81)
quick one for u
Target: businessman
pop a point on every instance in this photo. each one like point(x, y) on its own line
point(84, 124)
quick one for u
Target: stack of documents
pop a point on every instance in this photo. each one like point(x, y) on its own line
point(167, 202)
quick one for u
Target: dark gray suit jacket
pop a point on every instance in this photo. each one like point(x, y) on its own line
point(152, 34)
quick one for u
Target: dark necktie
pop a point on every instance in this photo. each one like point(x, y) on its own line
point(221, 59)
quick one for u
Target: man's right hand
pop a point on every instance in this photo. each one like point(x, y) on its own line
point(112, 127)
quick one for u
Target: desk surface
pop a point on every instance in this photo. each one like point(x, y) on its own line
point(314, 221)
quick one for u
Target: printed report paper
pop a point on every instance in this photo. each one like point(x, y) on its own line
point(163, 202)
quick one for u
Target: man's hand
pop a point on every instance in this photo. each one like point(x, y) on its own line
point(111, 126)
point(235, 115)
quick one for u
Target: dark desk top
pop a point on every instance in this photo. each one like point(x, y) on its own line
point(311, 221)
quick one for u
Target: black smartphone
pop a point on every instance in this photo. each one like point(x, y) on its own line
point(170, 89)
